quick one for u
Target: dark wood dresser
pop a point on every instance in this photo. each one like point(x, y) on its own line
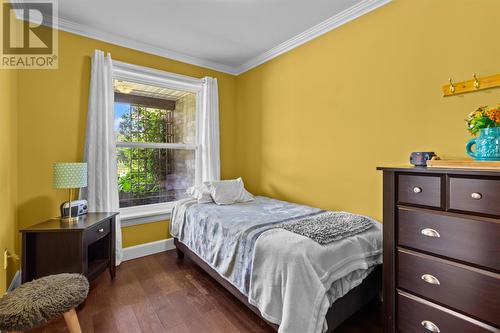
point(54, 246)
point(441, 250)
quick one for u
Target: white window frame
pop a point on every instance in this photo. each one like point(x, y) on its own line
point(128, 72)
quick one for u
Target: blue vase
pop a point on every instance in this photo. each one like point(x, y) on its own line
point(487, 145)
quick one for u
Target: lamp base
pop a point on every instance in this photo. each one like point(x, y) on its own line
point(71, 219)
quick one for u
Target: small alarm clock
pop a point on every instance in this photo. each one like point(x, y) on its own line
point(78, 208)
point(420, 158)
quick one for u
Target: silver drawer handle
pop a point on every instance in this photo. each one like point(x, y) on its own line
point(430, 279)
point(430, 232)
point(100, 230)
point(476, 195)
point(430, 326)
point(417, 189)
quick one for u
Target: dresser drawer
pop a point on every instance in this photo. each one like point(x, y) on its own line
point(473, 240)
point(475, 195)
point(468, 290)
point(414, 313)
point(97, 233)
point(420, 190)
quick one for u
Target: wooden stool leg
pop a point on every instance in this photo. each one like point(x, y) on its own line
point(71, 320)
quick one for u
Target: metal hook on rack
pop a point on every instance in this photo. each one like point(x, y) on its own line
point(473, 85)
point(452, 87)
point(476, 81)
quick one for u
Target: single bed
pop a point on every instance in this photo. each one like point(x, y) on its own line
point(289, 280)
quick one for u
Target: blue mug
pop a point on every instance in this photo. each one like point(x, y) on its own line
point(420, 158)
point(487, 145)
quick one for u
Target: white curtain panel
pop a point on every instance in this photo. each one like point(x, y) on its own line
point(209, 146)
point(100, 147)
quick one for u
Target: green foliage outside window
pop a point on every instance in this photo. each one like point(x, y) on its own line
point(142, 170)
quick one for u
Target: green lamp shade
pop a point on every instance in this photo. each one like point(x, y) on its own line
point(70, 175)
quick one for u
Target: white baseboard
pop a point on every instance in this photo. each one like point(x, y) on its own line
point(147, 249)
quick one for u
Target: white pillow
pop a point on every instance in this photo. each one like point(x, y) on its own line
point(227, 192)
point(200, 193)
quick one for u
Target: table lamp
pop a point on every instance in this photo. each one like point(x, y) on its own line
point(70, 176)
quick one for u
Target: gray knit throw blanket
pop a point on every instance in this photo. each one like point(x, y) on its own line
point(329, 227)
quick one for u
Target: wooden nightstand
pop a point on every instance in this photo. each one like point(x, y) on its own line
point(86, 246)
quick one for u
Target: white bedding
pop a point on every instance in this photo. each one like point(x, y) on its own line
point(295, 280)
point(290, 278)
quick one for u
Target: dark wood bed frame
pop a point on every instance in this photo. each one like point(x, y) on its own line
point(341, 310)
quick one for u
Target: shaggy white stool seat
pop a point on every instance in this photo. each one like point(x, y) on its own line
point(35, 303)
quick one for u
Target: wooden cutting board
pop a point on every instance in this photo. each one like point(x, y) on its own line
point(464, 164)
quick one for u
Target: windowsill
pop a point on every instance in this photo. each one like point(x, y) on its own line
point(130, 216)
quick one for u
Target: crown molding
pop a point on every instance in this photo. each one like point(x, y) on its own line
point(86, 31)
point(327, 25)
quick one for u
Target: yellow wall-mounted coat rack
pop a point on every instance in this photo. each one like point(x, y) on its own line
point(477, 83)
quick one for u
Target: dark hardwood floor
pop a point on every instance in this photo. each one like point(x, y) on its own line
point(158, 293)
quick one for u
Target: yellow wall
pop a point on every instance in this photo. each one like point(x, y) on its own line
point(52, 120)
point(8, 170)
point(145, 233)
point(309, 126)
point(315, 122)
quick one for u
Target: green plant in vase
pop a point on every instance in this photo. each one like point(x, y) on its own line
point(485, 121)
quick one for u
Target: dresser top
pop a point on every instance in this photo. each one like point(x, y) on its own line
point(84, 222)
point(455, 171)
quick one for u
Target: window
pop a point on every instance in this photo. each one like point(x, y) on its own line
point(156, 141)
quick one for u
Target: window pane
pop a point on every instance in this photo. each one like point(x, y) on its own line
point(148, 176)
point(141, 124)
point(154, 114)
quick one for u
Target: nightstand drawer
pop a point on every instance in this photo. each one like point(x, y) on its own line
point(475, 195)
point(473, 240)
point(420, 190)
point(454, 285)
point(97, 232)
point(419, 316)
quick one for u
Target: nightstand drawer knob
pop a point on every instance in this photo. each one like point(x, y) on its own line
point(100, 230)
point(430, 232)
point(430, 326)
point(430, 279)
point(476, 195)
point(417, 189)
